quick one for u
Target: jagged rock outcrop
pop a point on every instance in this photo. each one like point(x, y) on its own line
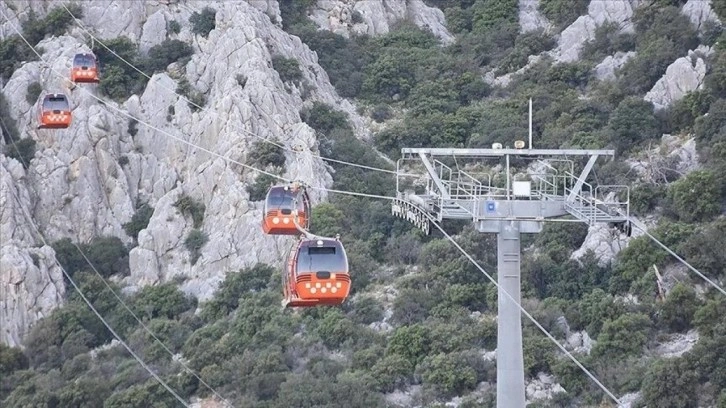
point(31, 284)
point(530, 19)
point(542, 388)
point(684, 75)
point(674, 156)
point(604, 241)
point(699, 11)
point(605, 70)
point(677, 344)
point(374, 17)
point(582, 30)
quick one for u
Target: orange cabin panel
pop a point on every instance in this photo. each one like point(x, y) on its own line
point(54, 112)
point(317, 274)
point(84, 69)
point(279, 213)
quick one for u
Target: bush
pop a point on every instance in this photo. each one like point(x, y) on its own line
point(119, 80)
point(696, 197)
point(204, 22)
point(563, 12)
point(632, 122)
point(194, 243)
point(22, 151)
point(173, 27)
point(8, 128)
point(670, 383)
point(265, 154)
point(189, 207)
point(162, 301)
point(139, 220)
point(169, 51)
point(381, 113)
point(679, 307)
point(196, 99)
point(11, 360)
point(107, 254)
point(623, 336)
point(33, 92)
point(13, 53)
point(55, 23)
point(288, 68)
point(132, 129)
point(258, 190)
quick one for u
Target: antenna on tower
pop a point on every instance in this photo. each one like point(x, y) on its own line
point(530, 123)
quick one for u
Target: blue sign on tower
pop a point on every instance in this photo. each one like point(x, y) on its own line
point(491, 207)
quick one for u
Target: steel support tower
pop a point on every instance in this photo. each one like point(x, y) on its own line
point(427, 188)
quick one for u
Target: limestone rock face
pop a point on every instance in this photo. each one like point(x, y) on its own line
point(672, 157)
point(374, 17)
point(604, 241)
point(605, 71)
point(530, 19)
point(31, 284)
point(684, 75)
point(85, 181)
point(582, 30)
point(700, 11)
point(542, 387)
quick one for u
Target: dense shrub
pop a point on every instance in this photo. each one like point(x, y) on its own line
point(106, 254)
point(265, 154)
point(190, 207)
point(288, 68)
point(563, 12)
point(139, 220)
point(204, 22)
point(22, 151)
point(161, 55)
point(696, 197)
point(55, 23)
point(196, 99)
point(33, 92)
point(194, 243)
point(119, 80)
point(258, 190)
point(173, 27)
point(8, 128)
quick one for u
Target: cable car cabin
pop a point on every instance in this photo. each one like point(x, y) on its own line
point(54, 112)
point(317, 274)
point(84, 68)
point(279, 205)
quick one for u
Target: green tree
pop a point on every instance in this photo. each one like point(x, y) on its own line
point(164, 300)
point(451, 373)
point(623, 336)
point(139, 220)
point(670, 383)
point(697, 196)
point(288, 68)
point(203, 23)
point(11, 360)
point(679, 307)
point(169, 51)
point(410, 342)
point(632, 122)
point(23, 151)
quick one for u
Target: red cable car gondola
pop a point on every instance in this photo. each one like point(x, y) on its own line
point(84, 69)
point(317, 273)
point(280, 203)
point(54, 112)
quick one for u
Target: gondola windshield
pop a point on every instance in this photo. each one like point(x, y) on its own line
point(321, 259)
point(55, 103)
point(84, 60)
